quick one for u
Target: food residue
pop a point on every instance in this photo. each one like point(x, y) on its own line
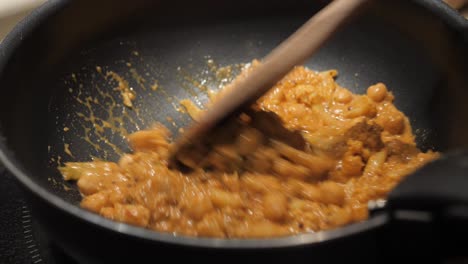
point(193, 110)
point(127, 93)
point(155, 86)
point(66, 149)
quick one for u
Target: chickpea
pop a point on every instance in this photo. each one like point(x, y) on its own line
point(89, 184)
point(340, 217)
point(332, 193)
point(95, 202)
point(132, 214)
point(116, 196)
point(361, 106)
point(210, 226)
point(275, 206)
point(395, 124)
point(310, 192)
point(377, 92)
point(343, 96)
point(359, 212)
point(352, 165)
point(198, 206)
point(222, 199)
point(108, 212)
point(126, 160)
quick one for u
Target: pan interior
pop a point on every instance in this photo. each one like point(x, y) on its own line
point(61, 83)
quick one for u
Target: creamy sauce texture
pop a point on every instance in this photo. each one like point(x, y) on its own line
point(247, 181)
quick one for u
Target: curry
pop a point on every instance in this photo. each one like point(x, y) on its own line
point(308, 156)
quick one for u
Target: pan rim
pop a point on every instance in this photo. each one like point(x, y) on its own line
point(202, 242)
point(27, 25)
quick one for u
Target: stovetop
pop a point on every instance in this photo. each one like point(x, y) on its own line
point(22, 240)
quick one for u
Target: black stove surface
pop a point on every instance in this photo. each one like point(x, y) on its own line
point(22, 240)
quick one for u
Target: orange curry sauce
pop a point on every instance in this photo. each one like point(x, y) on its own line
point(248, 182)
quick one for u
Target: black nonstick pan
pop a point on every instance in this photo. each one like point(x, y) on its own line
point(60, 67)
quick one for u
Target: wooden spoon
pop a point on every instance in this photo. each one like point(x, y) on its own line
point(293, 51)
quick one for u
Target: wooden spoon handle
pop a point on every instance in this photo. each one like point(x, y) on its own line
point(456, 4)
point(291, 52)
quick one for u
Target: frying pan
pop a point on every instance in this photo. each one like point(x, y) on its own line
point(54, 64)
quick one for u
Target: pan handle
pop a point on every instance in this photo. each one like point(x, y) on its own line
point(429, 209)
point(440, 184)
